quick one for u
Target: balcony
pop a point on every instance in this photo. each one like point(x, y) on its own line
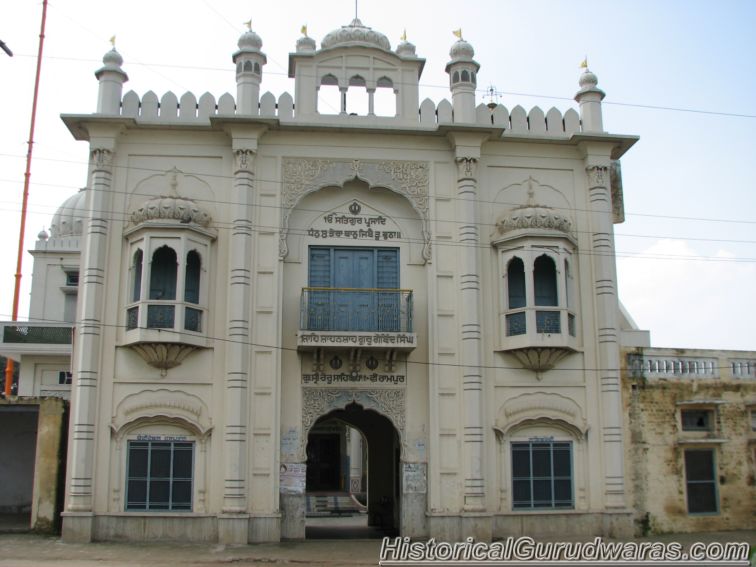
point(356, 318)
point(36, 338)
point(539, 336)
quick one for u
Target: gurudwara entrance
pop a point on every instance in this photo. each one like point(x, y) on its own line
point(352, 480)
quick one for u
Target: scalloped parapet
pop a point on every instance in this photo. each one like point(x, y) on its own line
point(189, 109)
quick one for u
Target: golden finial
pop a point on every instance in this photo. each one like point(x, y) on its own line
point(112, 41)
point(404, 35)
point(248, 23)
point(584, 63)
point(458, 33)
point(304, 30)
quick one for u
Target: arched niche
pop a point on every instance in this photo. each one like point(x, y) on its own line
point(301, 177)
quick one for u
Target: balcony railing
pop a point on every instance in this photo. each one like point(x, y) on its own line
point(33, 333)
point(356, 309)
point(163, 315)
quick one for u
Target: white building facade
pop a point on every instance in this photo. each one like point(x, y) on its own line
point(441, 279)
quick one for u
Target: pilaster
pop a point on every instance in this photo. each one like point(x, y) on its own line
point(605, 293)
point(235, 439)
point(470, 332)
point(87, 353)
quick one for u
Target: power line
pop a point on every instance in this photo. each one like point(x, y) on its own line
point(295, 350)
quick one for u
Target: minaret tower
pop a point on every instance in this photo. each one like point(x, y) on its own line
point(589, 98)
point(111, 78)
point(462, 71)
point(249, 63)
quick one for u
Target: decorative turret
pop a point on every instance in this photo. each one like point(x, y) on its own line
point(111, 78)
point(462, 71)
point(589, 98)
point(249, 61)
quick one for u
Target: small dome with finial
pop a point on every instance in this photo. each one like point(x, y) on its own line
point(406, 49)
point(588, 79)
point(112, 58)
point(461, 51)
point(250, 41)
point(306, 44)
point(355, 34)
point(42, 235)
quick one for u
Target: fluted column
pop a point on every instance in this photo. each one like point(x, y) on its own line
point(470, 333)
point(87, 355)
point(235, 489)
point(605, 291)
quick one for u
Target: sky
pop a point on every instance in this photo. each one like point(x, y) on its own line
point(679, 74)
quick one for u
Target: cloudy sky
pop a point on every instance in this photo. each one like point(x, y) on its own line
point(680, 74)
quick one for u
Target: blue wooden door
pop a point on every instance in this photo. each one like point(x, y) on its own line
point(353, 269)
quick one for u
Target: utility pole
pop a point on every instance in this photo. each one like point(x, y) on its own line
point(25, 199)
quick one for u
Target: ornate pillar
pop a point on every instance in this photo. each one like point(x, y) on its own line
point(235, 490)
point(87, 353)
point(605, 292)
point(470, 333)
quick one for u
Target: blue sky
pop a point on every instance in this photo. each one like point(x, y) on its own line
point(689, 281)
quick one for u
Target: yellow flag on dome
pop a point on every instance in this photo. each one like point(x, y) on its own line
point(584, 63)
point(304, 30)
point(458, 33)
point(404, 35)
point(248, 23)
point(112, 41)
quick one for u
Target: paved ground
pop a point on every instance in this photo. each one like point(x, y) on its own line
point(26, 550)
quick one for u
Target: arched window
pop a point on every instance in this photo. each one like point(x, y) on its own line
point(516, 283)
point(329, 96)
point(136, 271)
point(192, 279)
point(455, 77)
point(465, 76)
point(545, 281)
point(385, 97)
point(163, 274)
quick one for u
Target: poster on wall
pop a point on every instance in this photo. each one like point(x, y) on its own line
point(292, 478)
point(414, 481)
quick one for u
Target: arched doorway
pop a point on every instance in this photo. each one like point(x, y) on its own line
point(329, 476)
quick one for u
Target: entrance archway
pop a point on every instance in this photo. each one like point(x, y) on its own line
point(328, 471)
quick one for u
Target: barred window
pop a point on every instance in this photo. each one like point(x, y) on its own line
point(159, 475)
point(701, 481)
point(542, 475)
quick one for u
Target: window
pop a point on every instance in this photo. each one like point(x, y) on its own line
point(64, 378)
point(697, 420)
point(700, 480)
point(72, 278)
point(542, 475)
point(136, 273)
point(538, 297)
point(159, 475)
point(166, 292)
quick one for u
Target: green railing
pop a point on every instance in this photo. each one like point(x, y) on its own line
point(356, 309)
point(30, 333)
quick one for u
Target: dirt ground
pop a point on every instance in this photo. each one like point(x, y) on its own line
point(25, 549)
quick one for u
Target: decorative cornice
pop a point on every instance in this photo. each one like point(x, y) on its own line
point(407, 178)
point(162, 404)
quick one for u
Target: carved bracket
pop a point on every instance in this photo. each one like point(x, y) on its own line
point(163, 355)
point(407, 178)
point(540, 359)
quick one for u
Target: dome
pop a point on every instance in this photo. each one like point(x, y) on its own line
point(533, 217)
point(588, 80)
point(461, 51)
point(306, 44)
point(249, 41)
point(171, 208)
point(355, 34)
point(69, 218)
point(112, 58)
point(406, 49)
